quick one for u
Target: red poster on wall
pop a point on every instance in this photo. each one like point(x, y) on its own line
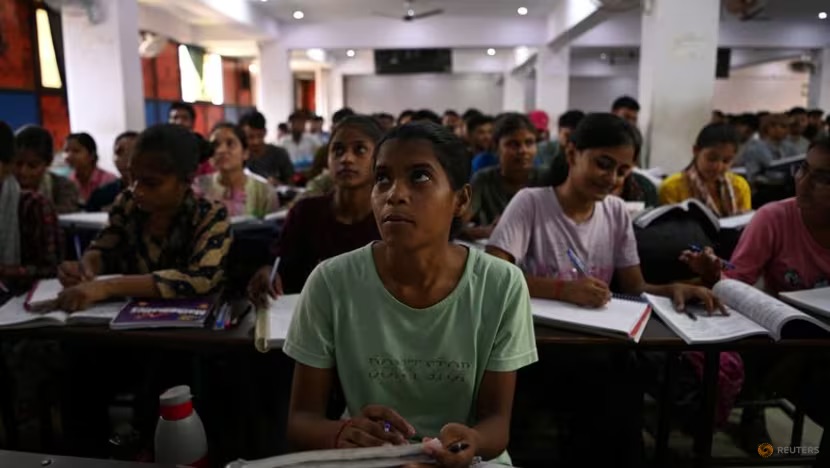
point(215, 114)
point(168, 74)
point(17, 68)
point(55, 117)
point(147, 71)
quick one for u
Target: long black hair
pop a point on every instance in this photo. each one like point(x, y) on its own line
point(173, 149)
point(449, 150)
point(85, 139)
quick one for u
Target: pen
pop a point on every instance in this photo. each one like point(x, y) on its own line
point(459, 447)
point(79, 253)
point(577, 262)
point(724, 264)
point(274, 272)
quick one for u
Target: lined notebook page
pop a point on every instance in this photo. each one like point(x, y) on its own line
point(716, 328)
point(372, 457)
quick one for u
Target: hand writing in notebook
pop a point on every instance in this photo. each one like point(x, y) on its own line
point(458, 447)
point(367, 430)
point(683, 294)
point(261, 287)
point(585, 291)
point(82, 296)
point(704, 263)
point(72, 273)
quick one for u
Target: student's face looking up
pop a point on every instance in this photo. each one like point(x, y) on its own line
point(228, 153)
point(180, 117)
point(413, 201)
point(350, 158)
point(256, 139)
point(77, 156)
point(597, 172)
point(516, 152)
point(29, 169)
point(482, 137)
point(122, 151)
point(812, 184)
point(156, 190)
point(713, 162)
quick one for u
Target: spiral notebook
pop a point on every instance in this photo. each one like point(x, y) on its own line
point(624, 317)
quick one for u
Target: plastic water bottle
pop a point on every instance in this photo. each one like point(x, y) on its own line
point(180, 436)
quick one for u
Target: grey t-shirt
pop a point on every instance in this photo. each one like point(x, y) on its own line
point(275, 163)
point(538, 234)
point(490, 196)
point(756, 155)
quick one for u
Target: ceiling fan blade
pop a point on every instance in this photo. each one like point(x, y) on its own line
point(429, 13)
point(385, 15)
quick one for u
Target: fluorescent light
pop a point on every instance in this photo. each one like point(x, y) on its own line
point(491, 52)
point(299, 14)
point(822, 15)
point(350, 53)
point(318, 55)
point(522, 11)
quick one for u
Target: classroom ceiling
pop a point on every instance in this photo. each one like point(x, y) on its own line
point(327, 10)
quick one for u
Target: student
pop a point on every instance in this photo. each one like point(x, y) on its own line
point(264, 159)
point(536, 231)
point(787, 244)
point(514, 137)
point(299, 144)
point(315, 129)
point(627, 108)
point(774, 131)
point(387, 121)
point(450, 326)
point(480, 138)
point(548, 150)
point(29, 234)
point(405, 116)
point(426, 115)
point(322, 227)
point(452, 120)
point(168, 242)
point(798, 125)
point(708, 178)
point(105, 195)
point(182, 113)
point(82, 156)
point(322, 181)
point(242, 193)
point(815, 127)
point(33, 155)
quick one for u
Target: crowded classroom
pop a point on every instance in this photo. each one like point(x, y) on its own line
point(472, 233)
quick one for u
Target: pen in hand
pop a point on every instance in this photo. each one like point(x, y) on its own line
point(725, 265)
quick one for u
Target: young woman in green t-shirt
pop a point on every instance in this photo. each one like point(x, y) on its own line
point(424, 335)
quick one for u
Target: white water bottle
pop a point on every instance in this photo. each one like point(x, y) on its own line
point(180, 437)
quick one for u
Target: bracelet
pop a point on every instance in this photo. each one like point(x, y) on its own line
point(557, 288)
point(343, 426)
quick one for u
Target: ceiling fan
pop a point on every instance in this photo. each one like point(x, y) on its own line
point(410, 14)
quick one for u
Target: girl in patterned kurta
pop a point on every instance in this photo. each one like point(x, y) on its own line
point(166, 241)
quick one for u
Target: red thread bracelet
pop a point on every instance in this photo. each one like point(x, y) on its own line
point(343, 426)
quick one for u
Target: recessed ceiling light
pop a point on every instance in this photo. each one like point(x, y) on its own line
point(522, 11)
point(822, 15)
point(410, 12)
point(299, 14)
point(491, 52)
point(350, 53)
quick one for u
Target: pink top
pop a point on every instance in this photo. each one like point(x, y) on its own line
point(778, 246)
point(98, 178)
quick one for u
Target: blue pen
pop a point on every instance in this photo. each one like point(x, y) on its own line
point(725, 265)
point(79, 253)
point(577, 262)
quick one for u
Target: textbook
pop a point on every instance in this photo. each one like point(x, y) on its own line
point(644, 219)
point(815, 300)
point(14, 315)
point(272, 323)
point(372, 457)
point(164, 313)
point(44, 293)
point(751, 313)
point(623, 317)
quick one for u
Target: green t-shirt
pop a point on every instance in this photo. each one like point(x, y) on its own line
point(426, 364)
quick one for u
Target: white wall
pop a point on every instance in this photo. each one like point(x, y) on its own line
point(769, 86)
point(438, 92)
point(596, 94)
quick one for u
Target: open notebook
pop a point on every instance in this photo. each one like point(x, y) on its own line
point(751, 313)
point(373, 457)
point(272, 323)
point(97, 220)
point(13, 314)
point(815, 300)
point(623, 318)
point(645, 218)
point(44, 293)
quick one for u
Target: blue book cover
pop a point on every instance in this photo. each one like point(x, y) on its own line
point(164, 313)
